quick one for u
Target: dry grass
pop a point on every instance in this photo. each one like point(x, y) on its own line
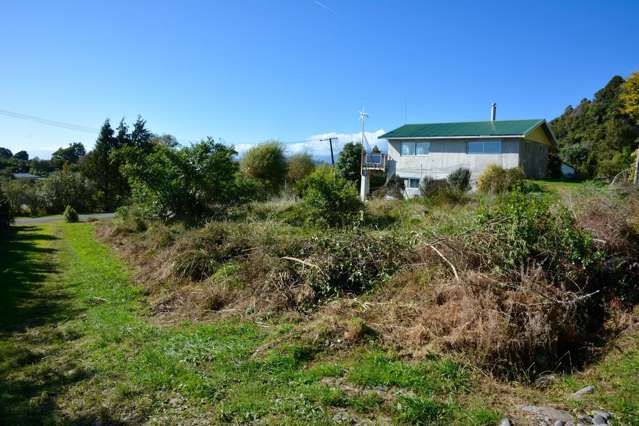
point(456, 287)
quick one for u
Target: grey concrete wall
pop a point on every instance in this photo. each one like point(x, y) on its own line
point(446, 156)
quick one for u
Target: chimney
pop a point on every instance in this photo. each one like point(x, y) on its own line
point(493, 111)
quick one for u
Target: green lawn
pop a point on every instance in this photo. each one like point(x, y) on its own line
point(77, 345)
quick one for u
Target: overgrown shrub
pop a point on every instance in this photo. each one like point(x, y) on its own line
point(66, 188)
point(70, 215)
point(267, 164)
point(497, 180)
point(208, 249)
point(394, 188)
point(524, 231)
point(130, 219)
point(459, 180)
point(187, 184)
point(6, 213)
point(439, 191)
point(327, 199)
point(25, 197)
point(430, 186)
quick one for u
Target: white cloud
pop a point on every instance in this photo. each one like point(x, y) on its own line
point(321, 149)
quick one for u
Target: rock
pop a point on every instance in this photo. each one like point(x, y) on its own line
point(581, 392)
point(587, 420)
point(599, 420)
point(559, 423)
point(606, 415)
point(543, 412)
point(505, 422)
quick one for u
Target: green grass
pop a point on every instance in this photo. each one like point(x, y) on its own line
point(564, 187)
point(78, 345)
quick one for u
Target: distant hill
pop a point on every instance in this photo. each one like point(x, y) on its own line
point(596, 137)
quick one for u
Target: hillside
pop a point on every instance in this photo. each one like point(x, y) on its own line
point(598, 136)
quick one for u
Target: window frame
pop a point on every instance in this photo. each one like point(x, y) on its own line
point(409, 183)
point(483, 143)
point(423, 144)
point(407, 143)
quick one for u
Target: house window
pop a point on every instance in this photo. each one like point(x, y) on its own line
point(413, 183)
point(484, 147)
point(408, 148)
point(422, 148)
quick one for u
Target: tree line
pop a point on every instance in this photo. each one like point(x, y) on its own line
point(164, 180)
point(599, 137)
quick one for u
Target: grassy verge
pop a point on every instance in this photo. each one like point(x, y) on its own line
point(76, 347)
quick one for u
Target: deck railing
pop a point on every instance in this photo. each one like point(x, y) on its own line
point(374, 161)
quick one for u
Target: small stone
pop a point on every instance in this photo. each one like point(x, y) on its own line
point(559, 423)
point(599, 420)
point(543, 412)
point(505, 422)
point(583, 391)
point(606, 415)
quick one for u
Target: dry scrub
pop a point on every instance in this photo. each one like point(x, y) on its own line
point(525, 286)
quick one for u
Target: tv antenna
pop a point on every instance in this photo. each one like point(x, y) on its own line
point(363, 115)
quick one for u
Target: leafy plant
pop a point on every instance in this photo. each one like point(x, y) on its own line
point(496, 179)
point(6, 213)
point(187, 184)
point(327, 199)
point(267, 164)
point(459, 179)
point(70, 215)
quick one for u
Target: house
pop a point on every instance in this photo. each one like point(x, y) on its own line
point(26, 176)
point(437, 149)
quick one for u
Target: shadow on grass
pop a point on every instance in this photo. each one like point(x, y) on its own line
point(32, 305)
point(25, 266)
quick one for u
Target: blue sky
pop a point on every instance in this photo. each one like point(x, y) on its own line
point(251, 70)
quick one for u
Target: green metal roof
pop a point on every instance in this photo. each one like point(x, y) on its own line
point(468, 128)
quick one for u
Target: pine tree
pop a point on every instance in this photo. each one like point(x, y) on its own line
point(98, 167)
point(141, 136)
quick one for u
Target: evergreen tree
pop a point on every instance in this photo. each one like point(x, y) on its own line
point(349, 162)
point(141, 136)
point(122, 137)
point(99, 168)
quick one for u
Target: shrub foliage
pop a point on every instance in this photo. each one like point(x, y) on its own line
point(327, 199)
point(496, 179)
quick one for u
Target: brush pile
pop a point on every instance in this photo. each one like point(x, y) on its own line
point(525, 285)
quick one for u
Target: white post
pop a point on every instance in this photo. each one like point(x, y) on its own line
point(365, 185)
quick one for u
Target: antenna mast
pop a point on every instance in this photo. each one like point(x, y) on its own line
point(363, 115)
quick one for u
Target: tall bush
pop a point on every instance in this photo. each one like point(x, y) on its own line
point(299, 166)
point(266, 163)
point(327, 199)
point(459, 179)
point(496, 179)
point(187, 184)
point(63, 188)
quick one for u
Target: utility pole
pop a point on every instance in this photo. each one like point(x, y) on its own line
point(330, 141)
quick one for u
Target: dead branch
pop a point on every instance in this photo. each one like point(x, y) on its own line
point(439, 253)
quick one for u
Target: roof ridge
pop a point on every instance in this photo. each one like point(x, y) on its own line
point(477, 121)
